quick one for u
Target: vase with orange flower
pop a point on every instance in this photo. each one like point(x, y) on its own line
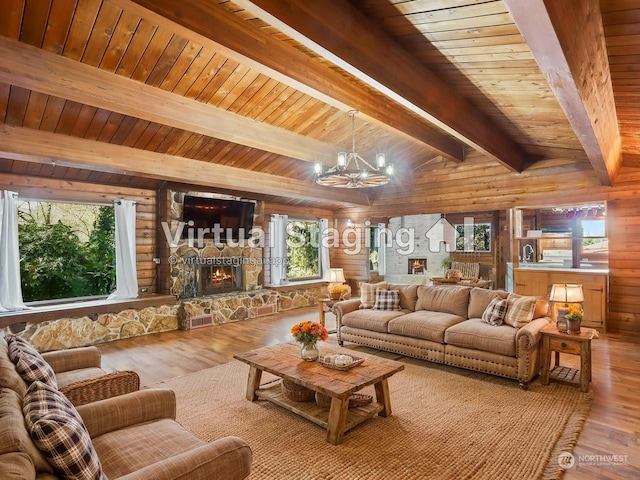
point(308, 333)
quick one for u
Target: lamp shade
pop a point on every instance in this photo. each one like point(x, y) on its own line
point(336, 275)
point(566, 293)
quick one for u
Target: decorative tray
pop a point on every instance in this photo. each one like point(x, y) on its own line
point(335, 362)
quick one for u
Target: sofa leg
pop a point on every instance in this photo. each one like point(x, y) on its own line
point(340, 342)
point(524, 385)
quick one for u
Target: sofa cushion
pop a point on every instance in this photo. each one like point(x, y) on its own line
point(424, 324)
point(447, 299)
point(369, 319)
point(29, 363)
point(387, 299)
point(14, 436)
point(408, 295)
point(130, 449)
point(368, 293)
point(73, 376)
point(479, 299)
point(495, 312)
point(58, 431)
point(520, 310)
point(477, 335)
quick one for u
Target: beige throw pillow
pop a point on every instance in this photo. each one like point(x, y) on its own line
point(519, 310)
point(368, 293)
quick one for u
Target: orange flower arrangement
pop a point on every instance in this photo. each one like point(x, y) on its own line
point(574, 313)
point(309, 332)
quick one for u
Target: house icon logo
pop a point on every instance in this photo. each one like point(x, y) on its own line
point(442, 234)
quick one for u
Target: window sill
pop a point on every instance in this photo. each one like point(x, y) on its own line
point(46, 313)
point(293, 285)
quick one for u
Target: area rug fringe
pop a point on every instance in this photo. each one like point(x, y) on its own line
point(445, 423)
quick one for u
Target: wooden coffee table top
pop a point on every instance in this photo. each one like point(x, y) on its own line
point(284, 361)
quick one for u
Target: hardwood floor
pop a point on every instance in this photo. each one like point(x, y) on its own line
point(608, 447)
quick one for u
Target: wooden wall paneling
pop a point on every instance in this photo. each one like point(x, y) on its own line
point(623, 227)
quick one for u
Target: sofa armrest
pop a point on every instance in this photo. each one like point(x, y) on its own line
point(345, 306)
point(342, 308)
point(73, 358)
point(531, 332)
point(123, 411)
point(229, 458)
point(99, 388)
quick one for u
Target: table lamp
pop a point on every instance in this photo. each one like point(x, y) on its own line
point(563, 294)
point(336, 283)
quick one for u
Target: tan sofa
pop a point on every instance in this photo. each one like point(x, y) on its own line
point(135, 436)
point(443, 324)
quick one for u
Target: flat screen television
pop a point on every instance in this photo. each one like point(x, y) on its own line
point(235, 217)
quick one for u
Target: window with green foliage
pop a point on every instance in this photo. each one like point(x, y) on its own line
point(66, 250)
point(303, 253)
point(478, 241)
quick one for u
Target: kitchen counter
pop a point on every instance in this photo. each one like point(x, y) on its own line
point(551, 268)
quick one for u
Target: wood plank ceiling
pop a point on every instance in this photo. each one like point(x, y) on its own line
point(243, 96)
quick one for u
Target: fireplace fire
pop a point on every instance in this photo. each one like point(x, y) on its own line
point(209, 276)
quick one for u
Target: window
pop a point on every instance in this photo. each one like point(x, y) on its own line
point(473, 237)
point(374, 248)
point(303, 249)
point(66, 250)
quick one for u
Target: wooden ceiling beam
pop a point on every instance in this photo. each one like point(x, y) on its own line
point(567, 40)
point(18, 143)
point(35, 69)
point(340, 33)
point(213, 26)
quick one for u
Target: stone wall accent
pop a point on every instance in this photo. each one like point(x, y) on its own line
point(83, 331)
point(224, 308)
point(292, 297)
point(230, 307)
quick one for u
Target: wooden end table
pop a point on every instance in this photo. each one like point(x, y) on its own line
point(284, 361)
point(325, 305)
point(571, 343)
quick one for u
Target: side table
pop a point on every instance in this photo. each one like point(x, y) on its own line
point(325, 305)
point(570, 343)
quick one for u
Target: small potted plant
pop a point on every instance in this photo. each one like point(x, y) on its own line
point(573, 318)
point(337, 290)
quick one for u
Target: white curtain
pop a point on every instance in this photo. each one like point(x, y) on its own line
point(126, 273)
point(382, 249)
point(324, 248)
point(10, 284)
point(278, 249)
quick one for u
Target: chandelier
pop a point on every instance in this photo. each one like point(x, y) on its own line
point(353, 171)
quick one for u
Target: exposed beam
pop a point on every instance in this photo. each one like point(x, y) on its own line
point(567, 40)
point(337, 31)
point(211, 25)
point(18, 143)
point(35, 69)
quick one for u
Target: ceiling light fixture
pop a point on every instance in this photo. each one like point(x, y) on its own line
point(353, 171)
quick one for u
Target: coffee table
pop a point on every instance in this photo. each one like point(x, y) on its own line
point(283, 360)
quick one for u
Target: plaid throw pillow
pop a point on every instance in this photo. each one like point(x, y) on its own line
point(495, 312)
point(519, 310)
point(29, 363)
point(59, 433)
point(387, 299)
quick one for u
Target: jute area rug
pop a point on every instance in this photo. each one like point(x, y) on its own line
point(446, 423)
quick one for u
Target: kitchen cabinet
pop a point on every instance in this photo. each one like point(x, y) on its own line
point(537, 281)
